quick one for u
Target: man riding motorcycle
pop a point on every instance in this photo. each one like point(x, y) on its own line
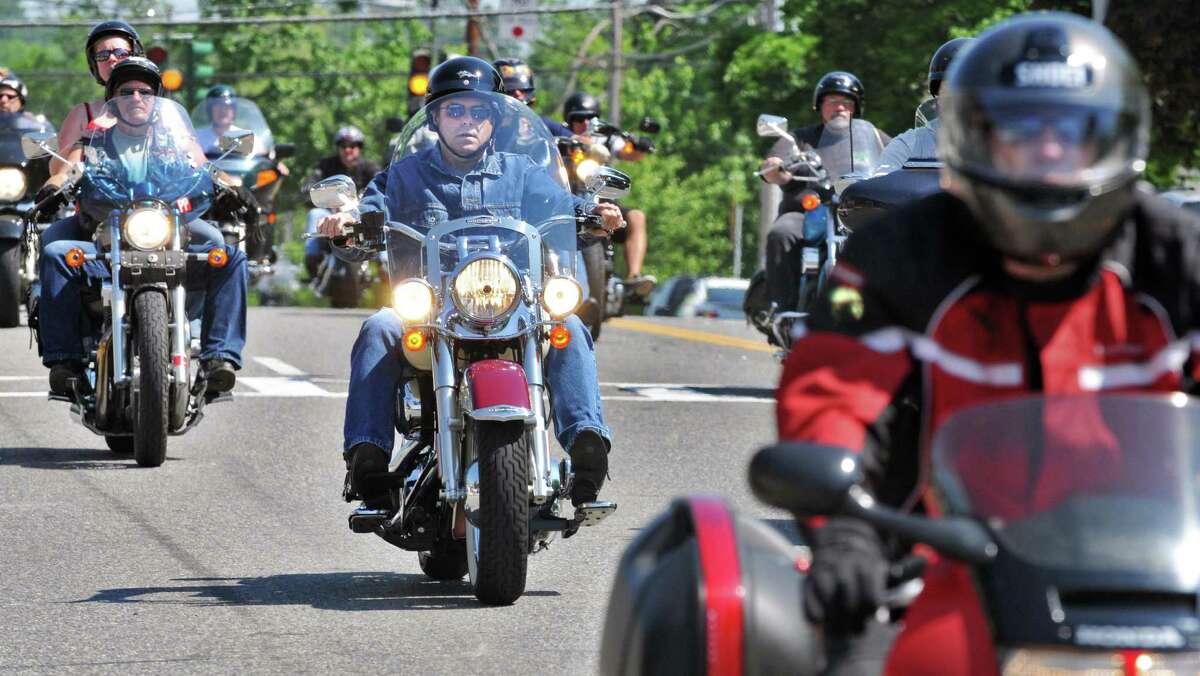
point(460, 176)
point(577, 110)
point(518, 83)
point(348, 143)
point(12, 95)
point(1043, 268)
point(921, 141)
point(839, 98)
point(224, 289)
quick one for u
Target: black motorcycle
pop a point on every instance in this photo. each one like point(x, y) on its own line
point(582, 157)
point(19, 245)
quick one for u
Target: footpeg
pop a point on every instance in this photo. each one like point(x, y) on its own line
point(592, 513)
point(367, 520)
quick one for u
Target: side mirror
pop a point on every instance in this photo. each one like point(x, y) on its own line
point(772, 125)
point(650, 125)
point(284, 150)
point(804, 479)
point(38, 144)
point(608, 183)
point(336, 193)
point(394, 125)
point(237, 142)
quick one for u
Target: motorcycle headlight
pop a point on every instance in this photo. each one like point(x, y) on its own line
point(12, 184)
point(147, 229)
point(561, 295)
point(485, 289)
point(412, 300)
point(586, 169)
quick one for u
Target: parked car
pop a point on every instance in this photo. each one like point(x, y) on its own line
point(686, 296)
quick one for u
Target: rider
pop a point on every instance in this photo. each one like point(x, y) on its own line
point(922, 141)
point(577, 110)
point(1043, 268)
point(839, 98)
point(224, 289)
point(12, 95)
point(348, 160)
point(458, 176)
point(518, 83)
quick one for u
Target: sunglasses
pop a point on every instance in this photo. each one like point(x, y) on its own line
point(1072, 129)
point(478, 113)
point(349, 145)
point(130, 91)
point(104, 54)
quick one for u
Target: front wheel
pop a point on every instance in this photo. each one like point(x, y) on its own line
point(151, 406)
point(592, 312)
point(10, 283)
point(446, 561)
point(498, 530)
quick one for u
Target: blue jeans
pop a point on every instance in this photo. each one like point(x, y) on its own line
point(377, 367)
point(218, 295)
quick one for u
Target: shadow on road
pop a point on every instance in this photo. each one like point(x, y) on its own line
point(328, 591)
point(67, 458)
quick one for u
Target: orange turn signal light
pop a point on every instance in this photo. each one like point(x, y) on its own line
point(560, 337)
point(75, 257)
point(810, 201)
point(271, 218)
point(629, 148)
point(218, 258)
point(578, 156)
point(414, 340)
point(265, 177)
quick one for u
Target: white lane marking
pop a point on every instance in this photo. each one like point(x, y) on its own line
point(693, 393)
point(282, 387)
point(677, 400)
point(22, 394)
point(279, 366)
point(8, 378)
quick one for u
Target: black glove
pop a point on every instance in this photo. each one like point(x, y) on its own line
point(53, 200)
point(848, 576)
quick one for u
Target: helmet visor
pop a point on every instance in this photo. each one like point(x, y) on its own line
point(1056, 145)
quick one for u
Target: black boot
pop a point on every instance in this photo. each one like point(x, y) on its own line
point(589, 462)
point(219, 374)
point(368, 465)
point(61, 375)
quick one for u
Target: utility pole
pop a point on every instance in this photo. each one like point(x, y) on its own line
point(614, 75)
point(473, 29)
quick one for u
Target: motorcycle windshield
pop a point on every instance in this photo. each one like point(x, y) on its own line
point(926, 113)
point(12, 127)
point(143, 149)
point(1084, 483)
point(479, 172)
point(854, 149)
point(214, 117)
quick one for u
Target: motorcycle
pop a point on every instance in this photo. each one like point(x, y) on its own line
point(481, 298)
point(582, 156)
point(19, 179)
point(254, 234)
point(1065, 532)
point(142, 379)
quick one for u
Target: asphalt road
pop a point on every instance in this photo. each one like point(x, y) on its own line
point(234, 556)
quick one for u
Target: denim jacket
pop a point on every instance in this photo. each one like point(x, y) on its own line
point(421, 191)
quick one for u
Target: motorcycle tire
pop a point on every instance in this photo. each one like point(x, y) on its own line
point(344, 291)
point(498, 546)
point(10, 284)
point(122, 445)
point(592, 312)
point(447, 561)
point(152, 405)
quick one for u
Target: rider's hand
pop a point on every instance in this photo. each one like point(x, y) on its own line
point(846, 581)
point(333, 226)
point(56, 199)
point(611, 215)
point(772, 171)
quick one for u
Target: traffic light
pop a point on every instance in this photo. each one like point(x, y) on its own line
point(157, 54)
point(201, 50)
point(418, 79)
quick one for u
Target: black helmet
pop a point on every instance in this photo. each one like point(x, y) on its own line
point(840, 82)
point(1045, 126)
point(517, 75)
point(462, 74)
point(17, 86)
point(940, 63)
point(105, 29)
point(133, 68)
point(349, 134)
point(581, 106)
point(222, 91)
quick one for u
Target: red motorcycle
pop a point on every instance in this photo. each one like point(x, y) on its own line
point(1064, 538)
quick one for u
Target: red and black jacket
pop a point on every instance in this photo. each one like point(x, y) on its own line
point(918, 321)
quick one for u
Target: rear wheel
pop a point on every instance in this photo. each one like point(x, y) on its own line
point(344, 289)
point(10, 283)
point(498, 531)
point(119, 444)
point(446, 561)
point(592, 312)
point(151, 406)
